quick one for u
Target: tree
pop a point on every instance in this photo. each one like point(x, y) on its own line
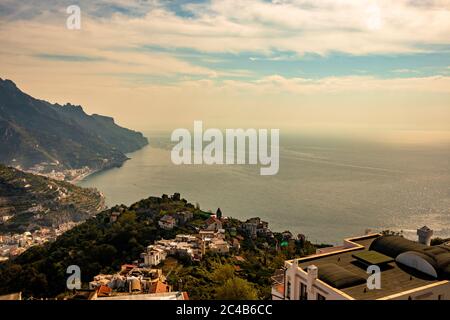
point(392, 233)
point(176, 196)
point(438, 241)
point(219, 213)
point(236, 289)
point(223, 273)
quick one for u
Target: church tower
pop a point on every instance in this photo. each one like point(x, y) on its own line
point(219, 214)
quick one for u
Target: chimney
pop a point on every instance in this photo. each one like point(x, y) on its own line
point(425, 234)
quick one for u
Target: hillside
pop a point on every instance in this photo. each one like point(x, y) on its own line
point(102, 245)
point(30, 201)
point(38, 135)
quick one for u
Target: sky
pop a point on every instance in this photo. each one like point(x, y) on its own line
point(379, 68)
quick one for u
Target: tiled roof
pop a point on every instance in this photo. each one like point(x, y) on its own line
point(104, 291)
point(212, 220)
point(159, 287)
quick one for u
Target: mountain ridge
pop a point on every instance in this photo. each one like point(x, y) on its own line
point(40, 136)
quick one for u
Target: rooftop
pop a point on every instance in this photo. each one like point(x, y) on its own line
point(212, 220)
point(167, 218)
point(150, 296)
point(395, 278)
point(372, 257)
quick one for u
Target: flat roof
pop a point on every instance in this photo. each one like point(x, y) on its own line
point(372, 257)
point(395, 278)
point(339, 277)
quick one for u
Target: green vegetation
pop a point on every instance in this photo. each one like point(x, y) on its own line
point(236, 289)
point(392, 233)
point(35, 201)
point(438, 241)
point(209, 278)
point(102, 246)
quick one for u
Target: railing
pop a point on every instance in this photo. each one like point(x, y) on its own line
point(278, 278)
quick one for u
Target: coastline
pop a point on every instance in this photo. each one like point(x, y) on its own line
point(83, 176)
point(91, 172)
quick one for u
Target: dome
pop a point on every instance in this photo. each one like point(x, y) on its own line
point(433, 261)
point(418, 261)
point(392, 246)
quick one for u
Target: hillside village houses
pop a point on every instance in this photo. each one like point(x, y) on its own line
point(167, 222)
point(12, 245)
point(214, 241)
point(145, 280)
point(255, 226)
point(182, 246)
point(132, 282)
point(210, 238)
point(213, 224)
point(190, 246)
point(131, 278)
point(154, 255)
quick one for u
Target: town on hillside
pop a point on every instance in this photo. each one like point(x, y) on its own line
point(216, 236)
point(14, 244)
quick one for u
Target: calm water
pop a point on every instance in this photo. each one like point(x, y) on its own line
point(327, 189)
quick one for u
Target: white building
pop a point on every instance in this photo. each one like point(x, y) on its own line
point(182, 245)
point(219, 246)
point(255, 226)
point(167, 222)
point(409, 271)
point(154, 256)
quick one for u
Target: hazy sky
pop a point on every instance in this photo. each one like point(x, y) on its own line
point(375, 67)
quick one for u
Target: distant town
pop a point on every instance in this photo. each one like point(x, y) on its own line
point(14, 244)
point(53, 170)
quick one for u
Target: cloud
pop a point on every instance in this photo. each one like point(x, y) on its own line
point(347, 84)
point(355, 27)
point(275, 58)
point(405, 71)
point(113, 43)
point(111, 64)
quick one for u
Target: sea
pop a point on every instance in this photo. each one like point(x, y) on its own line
point(327, 188)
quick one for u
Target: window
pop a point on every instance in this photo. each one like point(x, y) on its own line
point(320, 297)
point(303, 292)
point(440, 297)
